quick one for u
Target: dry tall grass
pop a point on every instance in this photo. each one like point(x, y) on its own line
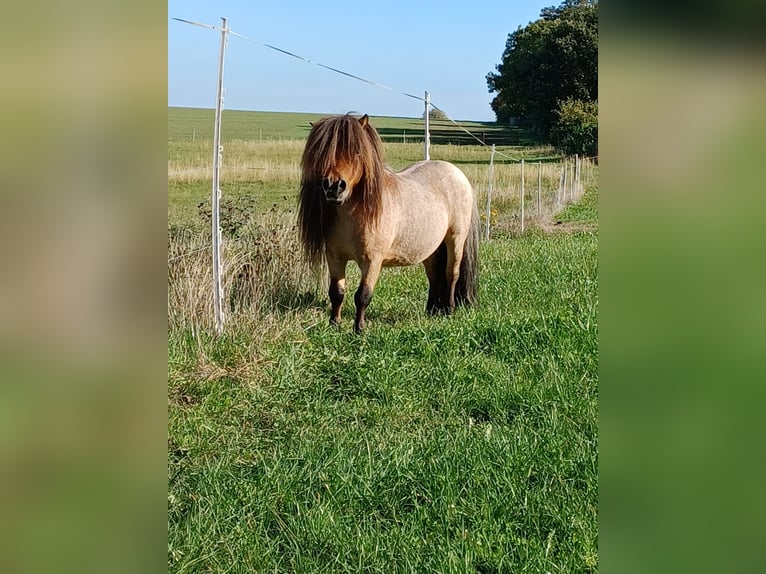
point(264, 274)
point(546, 192)
point(272, 161)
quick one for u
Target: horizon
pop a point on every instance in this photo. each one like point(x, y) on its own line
point(354, 112)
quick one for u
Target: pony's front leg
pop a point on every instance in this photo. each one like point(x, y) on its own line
point(363, 295)
point(337, 287)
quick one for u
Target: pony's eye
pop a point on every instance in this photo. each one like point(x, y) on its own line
point(325, 183)
point(342, 185)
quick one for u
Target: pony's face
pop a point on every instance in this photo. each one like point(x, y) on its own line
point(338, 184)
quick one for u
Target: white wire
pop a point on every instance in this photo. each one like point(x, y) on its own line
point(348, 74)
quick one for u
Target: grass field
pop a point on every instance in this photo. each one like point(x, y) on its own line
point(461, 444)
point(185, 124)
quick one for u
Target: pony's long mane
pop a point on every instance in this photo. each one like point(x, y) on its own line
point(335, 139)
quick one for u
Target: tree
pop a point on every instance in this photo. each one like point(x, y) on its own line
point(435, 114)
point(576, 128)
point(551, 60)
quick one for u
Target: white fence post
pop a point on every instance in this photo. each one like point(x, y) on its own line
point(561, 189)
point(539, 185)
point(572, 189)
point(522, 197)
point(566, 168)
point(489, 192)
point(577, 173)
point(217, 153)
point(427, 140)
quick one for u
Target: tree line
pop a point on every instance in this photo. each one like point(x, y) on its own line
point(547, 79)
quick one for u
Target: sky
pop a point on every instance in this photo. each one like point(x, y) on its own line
point(446, 48)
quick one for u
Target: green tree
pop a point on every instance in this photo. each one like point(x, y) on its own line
point(551, 60)
point(434, 114)
point(576, 128)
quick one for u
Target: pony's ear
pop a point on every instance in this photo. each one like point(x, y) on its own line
point(364, 120)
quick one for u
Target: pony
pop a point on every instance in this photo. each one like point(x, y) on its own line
point(352, 207)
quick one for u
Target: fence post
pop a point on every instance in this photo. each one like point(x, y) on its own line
point(539, 185)
point(575, 168)
point(217, 153)
point(566, 168)
point(574, 177)
point(560, 189)
point(489, 192)
point(577, 173)
point(572, 189)
point(427, 140)
point(522, 197)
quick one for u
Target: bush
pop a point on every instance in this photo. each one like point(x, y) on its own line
point(435, 114)
point(235, 213)
point(576, 127)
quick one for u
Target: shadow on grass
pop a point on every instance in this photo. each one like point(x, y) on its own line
point(277, 299)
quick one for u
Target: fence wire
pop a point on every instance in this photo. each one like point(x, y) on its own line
point(344, 73)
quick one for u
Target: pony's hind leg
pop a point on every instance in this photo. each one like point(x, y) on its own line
point(437, 285)
point(363, 295)
point(452, 271)
point(337, 288)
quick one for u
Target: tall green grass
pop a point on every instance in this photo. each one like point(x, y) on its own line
point(429, 444)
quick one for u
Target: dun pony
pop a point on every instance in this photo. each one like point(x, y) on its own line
point(353, 208)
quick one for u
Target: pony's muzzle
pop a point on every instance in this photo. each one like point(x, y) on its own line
point(334, 191)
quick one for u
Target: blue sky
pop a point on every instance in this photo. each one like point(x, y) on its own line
point(444, 47)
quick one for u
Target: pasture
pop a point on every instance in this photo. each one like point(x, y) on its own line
point(427, 444)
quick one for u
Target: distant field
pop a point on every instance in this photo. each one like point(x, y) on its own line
point(185, 123)
point(428, 444)
point(261, 159)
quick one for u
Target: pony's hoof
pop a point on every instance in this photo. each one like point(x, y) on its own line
point(439, 311)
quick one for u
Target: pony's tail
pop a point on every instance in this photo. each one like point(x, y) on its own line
point(467, 287)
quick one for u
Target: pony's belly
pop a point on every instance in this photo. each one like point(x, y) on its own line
point(413, 251)
point(400, 261)
point(420, 233)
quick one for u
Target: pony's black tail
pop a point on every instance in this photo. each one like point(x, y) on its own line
point(467, 288)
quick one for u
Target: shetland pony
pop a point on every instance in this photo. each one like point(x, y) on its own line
point(353, 208)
